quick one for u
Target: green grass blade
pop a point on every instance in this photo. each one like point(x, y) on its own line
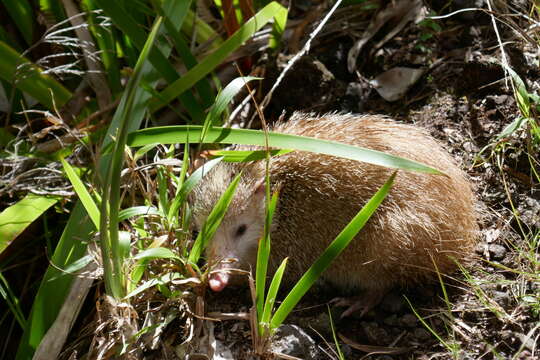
point(225, 96)
point(53, 9)
point(84, 195)
point(189, 185)
point(111, 248)
point(245, 156)
point(12, 301)
point(280, 23)
point(137, 211)
point(209, 63)
point(203, 86)
point(331, 252)
point(173, 215)
point(212, 222)
point(75, 266)
point(162, 180)
point(136, 34)
point(263, 253)
point(142, 151)
point(17, 217)
point(185, 167)
point(106, 42)
point(332, 327)
point(156, 253)
point(20, 12)
point(222, 101)
point(520, 92)
point(448, 346)
point(165, 279)
point(204, 33)
point(179, 134)
point(29, 78)
point(264, 323)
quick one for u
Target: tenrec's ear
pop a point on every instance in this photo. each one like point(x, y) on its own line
point(259, 190)
point(198, 161)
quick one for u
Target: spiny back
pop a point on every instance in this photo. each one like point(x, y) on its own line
point(424, 220)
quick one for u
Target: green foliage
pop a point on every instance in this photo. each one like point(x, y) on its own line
point(185, 188)
point(16, 218)
point(179, 134)
point(21, 12)
point(244, 156)
point(336, 342)
point(222, 101)
point(209, 63)
point(82, 193)
point(111, 249)
point(265, 303)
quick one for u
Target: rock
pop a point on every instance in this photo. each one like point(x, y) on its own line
point(501, 298)
point(222, 352)
point(497, 252)
point(292, 340)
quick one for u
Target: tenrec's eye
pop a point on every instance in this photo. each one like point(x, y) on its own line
point(241, 230)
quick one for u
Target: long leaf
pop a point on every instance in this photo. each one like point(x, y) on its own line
point(109, 240)
point(16, 218)
point(190, 184)
point(156, 253)
point(51, 293)
point(20, 12)
point(105, 40)
point(178, 134)
point(203, 86)
point(132, 28)
point(331, 252)
point(164, 279)
point(264, 322)
point(263, 254)
point(12, 301)
point(137, 211)
point(84, 195)
point(209, 63)
point(222, 101)
point(244, 156)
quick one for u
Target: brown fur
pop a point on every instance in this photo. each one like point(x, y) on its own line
point(425, 219)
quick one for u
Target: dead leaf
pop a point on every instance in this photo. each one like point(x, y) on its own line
point(393, 84)
point(404, 10)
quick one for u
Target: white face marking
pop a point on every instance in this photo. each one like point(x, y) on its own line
point(238, 235)
point(237, 238)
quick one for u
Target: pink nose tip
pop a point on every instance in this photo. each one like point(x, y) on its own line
point(218, 281)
